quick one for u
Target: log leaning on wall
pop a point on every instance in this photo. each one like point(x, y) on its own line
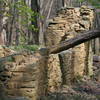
point(86, 36)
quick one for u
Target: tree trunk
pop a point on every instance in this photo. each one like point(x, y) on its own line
point(35, 7)
point(1, 18)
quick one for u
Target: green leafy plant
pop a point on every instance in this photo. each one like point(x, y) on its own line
point(27, 13)
point(25, 47)
point(10, 59)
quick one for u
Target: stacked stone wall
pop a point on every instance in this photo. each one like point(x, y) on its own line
point(69, 23)
point(23, 75)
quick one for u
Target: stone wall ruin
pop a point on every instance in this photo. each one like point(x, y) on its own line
point(32, 75)
point(69, 23)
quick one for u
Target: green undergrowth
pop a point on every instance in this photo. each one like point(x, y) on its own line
point(25, 47)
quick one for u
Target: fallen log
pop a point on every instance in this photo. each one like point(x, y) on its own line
point(83, 37)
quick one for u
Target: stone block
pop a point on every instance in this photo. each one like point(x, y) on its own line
point(54, 73)
point(66, 62)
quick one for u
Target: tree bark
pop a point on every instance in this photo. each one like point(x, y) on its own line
point(1, 21)
point(84, 37)
point(35, 7)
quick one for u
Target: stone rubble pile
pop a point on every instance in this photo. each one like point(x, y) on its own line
point(4, 51)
